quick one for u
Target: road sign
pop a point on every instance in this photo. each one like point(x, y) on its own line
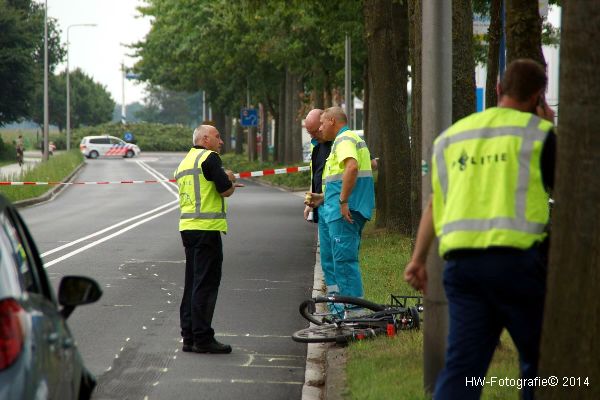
point(249, 117)
point(128, 136)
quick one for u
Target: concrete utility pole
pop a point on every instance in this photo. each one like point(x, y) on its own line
point(437, 116)
point(348, 98)
point(45, 134)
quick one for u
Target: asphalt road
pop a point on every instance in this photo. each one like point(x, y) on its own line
point(125, 237)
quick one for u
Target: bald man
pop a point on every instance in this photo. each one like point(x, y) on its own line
point(347, 201)
point(203, 186)
point(319, 154)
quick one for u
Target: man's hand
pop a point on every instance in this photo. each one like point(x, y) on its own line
point(544, 111)
point(415, 274)
point(307, 209)
point(345, 211)
point(230, 175)
point(314, 200)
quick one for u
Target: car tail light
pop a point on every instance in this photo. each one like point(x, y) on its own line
point(82, 147)
point(11, 332)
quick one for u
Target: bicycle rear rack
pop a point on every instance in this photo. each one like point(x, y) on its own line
point(397, 300)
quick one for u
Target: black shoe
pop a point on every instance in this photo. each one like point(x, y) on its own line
point(212, 347)
point(187, 346)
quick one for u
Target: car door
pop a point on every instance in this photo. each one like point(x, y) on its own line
point(101, 145)
point(53, 350)
point(118, 147)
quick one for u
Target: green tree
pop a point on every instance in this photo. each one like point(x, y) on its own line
point(21, 56)
point(171, 107)
point(386, 31)
point(91, 103)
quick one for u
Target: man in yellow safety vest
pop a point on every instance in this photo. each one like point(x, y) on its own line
point(203, 186)
point(491, 174)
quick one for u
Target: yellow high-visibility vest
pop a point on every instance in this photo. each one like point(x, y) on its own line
point(487, 181)
point(202, 207)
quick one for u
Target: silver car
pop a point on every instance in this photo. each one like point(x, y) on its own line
point(38, 356)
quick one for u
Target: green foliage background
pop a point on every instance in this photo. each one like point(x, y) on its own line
point(150, 137)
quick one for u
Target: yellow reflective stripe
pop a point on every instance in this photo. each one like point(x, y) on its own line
point(483, 225)
point(338, 177)
point(220, 215)
point(529, 135)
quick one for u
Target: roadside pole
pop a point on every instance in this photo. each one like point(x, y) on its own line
point(437, 116)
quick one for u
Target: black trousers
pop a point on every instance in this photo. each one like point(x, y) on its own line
point(203, 264)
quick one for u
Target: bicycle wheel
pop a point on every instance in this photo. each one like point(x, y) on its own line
point(340, 334)
point(408, 319)
point(336, 305)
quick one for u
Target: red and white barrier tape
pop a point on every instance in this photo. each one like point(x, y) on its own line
point(247, 174)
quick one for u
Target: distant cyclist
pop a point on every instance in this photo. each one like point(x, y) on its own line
point(20, 148)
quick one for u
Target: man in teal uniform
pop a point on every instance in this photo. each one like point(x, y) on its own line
point(347, 201)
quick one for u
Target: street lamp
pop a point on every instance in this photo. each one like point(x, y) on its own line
point(69, 87)
point(45, 134)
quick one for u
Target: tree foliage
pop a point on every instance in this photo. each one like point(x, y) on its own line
point(22, 56)
point(91, 103)
point(171, 107)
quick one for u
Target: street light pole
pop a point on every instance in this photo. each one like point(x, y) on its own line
point(45, 133)
point(69, 87)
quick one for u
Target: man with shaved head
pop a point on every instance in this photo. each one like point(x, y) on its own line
point(348, 200)
point(320, 152)
point(203, 186)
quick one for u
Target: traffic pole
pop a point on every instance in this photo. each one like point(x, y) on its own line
point(437, 116)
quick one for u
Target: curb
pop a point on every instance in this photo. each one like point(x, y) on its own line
point(316, 353)
point(51, 194)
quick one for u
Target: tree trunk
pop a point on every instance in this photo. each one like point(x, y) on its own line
point(297, 112)
point(386, 31)
point(264, 141)
point(493, 58)
point(416, 21)
point(327, 97)
point(289, 117)
point(281, 119)
point(251, 150)
point(219, 119)
point(239, 137)
point(570, 345)
point(463, 62)
point(523, 31)
point(367, 132)
point(228, 129)
point(373, 136)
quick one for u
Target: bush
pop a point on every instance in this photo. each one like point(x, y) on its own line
point(150, 137)
point(7, 151)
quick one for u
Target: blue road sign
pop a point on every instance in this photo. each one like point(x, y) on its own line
point(249, 117)
point(128, 136)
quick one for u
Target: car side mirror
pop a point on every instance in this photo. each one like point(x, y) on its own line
point(75, 291)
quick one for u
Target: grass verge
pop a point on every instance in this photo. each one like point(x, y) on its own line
point(56, 168)
point(392, 367)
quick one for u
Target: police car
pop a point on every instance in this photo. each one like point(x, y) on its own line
point(107, 146)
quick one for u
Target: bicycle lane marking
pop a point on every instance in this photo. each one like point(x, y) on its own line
point(155, 174)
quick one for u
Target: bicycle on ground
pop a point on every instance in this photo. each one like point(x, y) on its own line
point(342, 319)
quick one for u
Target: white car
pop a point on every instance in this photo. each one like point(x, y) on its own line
point(107, 146)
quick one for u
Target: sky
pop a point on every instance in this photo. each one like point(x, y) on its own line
point(99, 51)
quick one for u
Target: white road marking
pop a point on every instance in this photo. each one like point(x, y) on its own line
point(153, 214)
point(104, 239)
point(159, 176)
point(64, 246)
